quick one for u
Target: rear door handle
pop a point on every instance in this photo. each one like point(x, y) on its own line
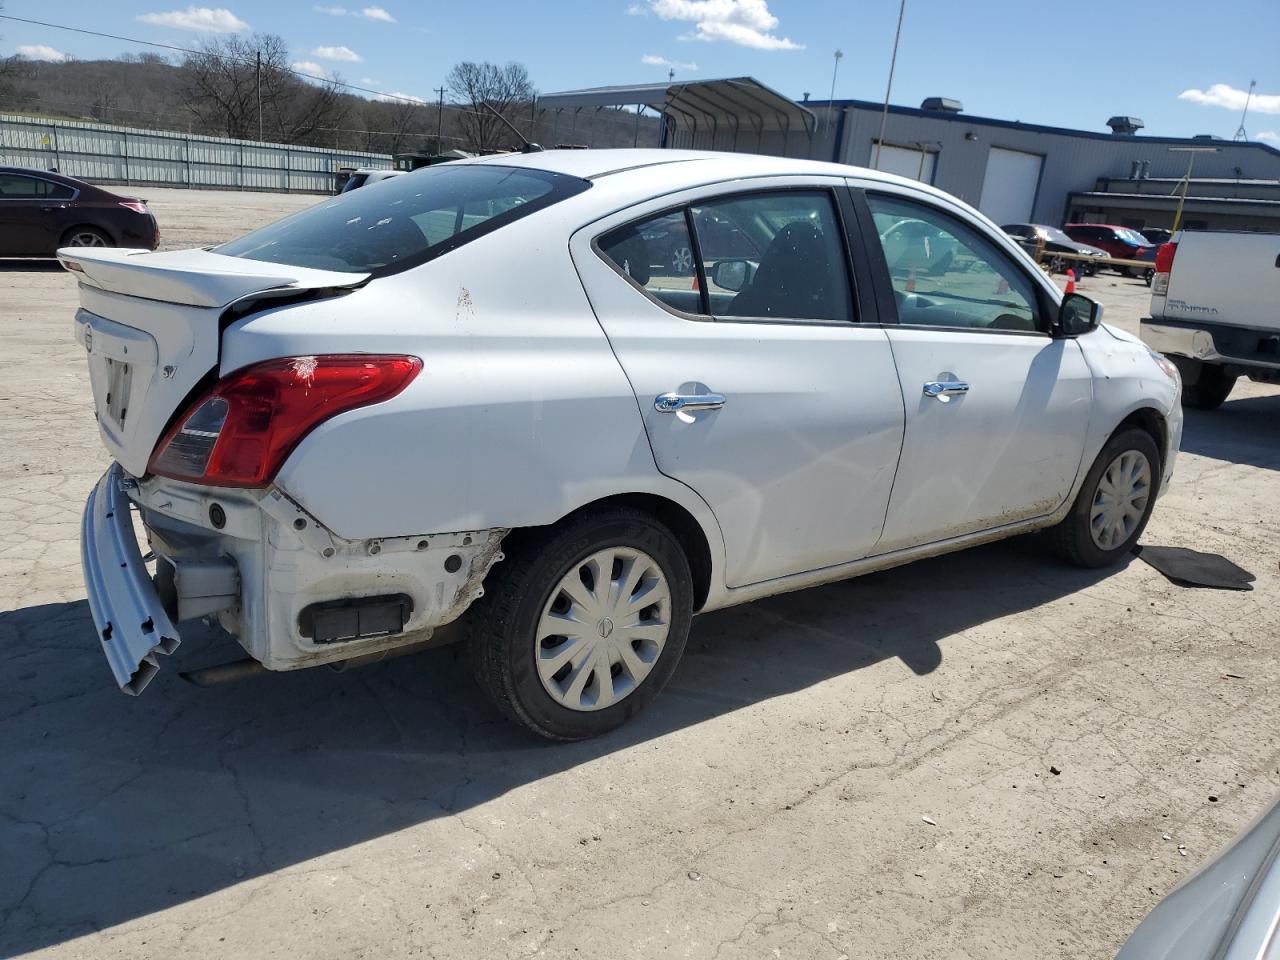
point(944, 390)
point(671, 402)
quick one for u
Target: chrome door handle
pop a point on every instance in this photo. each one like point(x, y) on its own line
point(671, 402)
point(944, 390)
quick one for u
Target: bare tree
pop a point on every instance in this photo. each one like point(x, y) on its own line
point(476, 84)
point(221, 82)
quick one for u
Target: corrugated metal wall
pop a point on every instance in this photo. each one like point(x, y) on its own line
point(1071, 162)
point(127, 155)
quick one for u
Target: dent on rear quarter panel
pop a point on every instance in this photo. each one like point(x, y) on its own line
point(520, 414)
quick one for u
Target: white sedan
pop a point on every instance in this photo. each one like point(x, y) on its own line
point(482, 396)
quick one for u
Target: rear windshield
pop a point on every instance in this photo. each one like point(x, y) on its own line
point(400, 222)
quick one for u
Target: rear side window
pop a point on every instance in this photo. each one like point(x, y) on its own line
point(400, 222)
point(774, 256)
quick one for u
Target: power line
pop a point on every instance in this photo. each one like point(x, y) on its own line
point(221, 56)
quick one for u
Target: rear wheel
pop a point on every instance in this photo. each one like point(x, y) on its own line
point(584, 624)
point(1210, 389)
point(84, 236)
point(1114, 503)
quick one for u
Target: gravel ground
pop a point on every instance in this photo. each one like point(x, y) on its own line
point(1052, 723)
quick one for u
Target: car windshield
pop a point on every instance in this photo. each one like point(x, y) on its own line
point(400, 222)
point(1133, 236)
point(1054, 234)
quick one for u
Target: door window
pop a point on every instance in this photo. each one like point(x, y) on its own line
point(774, 255)
point(16, 187)
point(947, 274)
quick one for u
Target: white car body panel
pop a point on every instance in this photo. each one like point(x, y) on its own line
point(1008, 450)
point(540, 367)
point(814, 412)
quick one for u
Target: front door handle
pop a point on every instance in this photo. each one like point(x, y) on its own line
point(671, 402)
point(944, 390)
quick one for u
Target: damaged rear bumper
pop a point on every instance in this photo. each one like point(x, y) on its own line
point(132, 624)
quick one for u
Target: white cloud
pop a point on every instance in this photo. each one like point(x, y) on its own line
point(655, 61)
point(38, 51)
point(369, 13)
point(1270, 136)
point(311, 68)
point(1228, 97)
point(200, 19)
point(398, 96)
point(747, 23)
point(345, 54)
point(637, 10)
point(369, 82)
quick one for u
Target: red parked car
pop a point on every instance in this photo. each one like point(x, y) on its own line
point(1123, 242)
point(42, 211)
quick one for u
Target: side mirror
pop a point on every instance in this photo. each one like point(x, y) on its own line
point(730, 274)
point(1078, 315)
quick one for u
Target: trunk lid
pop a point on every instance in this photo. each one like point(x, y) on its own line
point(151, 326)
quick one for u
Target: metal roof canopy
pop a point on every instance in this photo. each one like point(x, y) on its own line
point(706, 106)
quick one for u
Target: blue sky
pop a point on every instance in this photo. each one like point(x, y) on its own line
point(1172, 63)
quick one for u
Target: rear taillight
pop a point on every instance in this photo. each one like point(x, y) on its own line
point(137, 206)
point(241, 431)
point(1164, 264)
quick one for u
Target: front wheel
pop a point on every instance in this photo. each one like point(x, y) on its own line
point(584, 624)
point(1114, 503)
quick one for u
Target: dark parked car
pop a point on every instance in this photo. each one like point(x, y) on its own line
point(42, 211)
point(1122, 242)
point(1157, 235)
point(1029, 235)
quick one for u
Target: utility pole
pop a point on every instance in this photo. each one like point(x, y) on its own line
point(671, 74)
point(1240, 134)
point(439, 119)
point(1186, 182)
point(834, 70)
point(893, 60)
point(259, 95)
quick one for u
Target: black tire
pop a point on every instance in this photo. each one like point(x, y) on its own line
point(78, 237)
point(1210, 390)
point(1057, 265)
point(503, 624)
point(1148, 275)
point(1073, 539)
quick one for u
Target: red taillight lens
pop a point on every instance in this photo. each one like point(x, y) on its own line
point(1164, 257)
point(241, 431)
point(137, 206)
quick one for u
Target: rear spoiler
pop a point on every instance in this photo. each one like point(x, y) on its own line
point(197, 278)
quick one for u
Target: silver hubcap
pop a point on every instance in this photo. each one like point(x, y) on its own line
point(1121, 500)
point(87, 240)
point(603, 628)
point(682, 259)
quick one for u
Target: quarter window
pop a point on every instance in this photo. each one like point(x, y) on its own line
point(657, 254)
point(946, 274)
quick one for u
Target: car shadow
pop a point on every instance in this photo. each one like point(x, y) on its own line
point(1244, 431)
point(29, 266)
point(115, 808)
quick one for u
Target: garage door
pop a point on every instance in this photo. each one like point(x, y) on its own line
point(1009, 187)
point(905, 162)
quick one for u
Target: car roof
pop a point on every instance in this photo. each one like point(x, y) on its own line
point(640, 171)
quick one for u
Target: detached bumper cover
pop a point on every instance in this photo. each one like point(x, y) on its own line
point(132, 624)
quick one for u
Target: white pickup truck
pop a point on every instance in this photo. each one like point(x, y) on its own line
point(1215, 311)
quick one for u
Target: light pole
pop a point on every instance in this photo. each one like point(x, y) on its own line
point(1186, 181)
point(834, 70)
point(893, 60)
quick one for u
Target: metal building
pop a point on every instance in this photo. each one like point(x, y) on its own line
point(1014, 172)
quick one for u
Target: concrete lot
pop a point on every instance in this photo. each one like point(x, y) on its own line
point(769, 805)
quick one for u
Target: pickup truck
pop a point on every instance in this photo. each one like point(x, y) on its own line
point(1215, 311)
